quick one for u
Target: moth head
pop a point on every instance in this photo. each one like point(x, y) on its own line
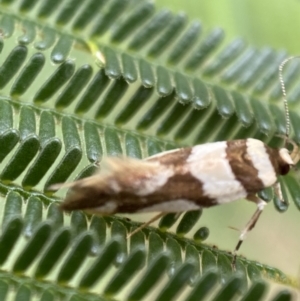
point(288, 158)
point(293, 157)
point(295, 153)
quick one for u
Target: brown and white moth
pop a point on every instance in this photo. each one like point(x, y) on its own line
point(187, 179)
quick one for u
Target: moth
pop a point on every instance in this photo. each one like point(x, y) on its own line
point(186, 179)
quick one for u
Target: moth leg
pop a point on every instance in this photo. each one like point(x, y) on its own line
point(278, 192)
point(152, 220)
point(250, 225)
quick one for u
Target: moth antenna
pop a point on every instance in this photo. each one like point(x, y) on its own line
point(285, 102)
point(295, 153)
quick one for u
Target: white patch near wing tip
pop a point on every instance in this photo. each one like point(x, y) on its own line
point(208, 164)
point(257, 151)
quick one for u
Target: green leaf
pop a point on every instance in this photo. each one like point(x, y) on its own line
point(84, 79)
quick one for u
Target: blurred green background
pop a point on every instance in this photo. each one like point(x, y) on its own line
point(274, 23)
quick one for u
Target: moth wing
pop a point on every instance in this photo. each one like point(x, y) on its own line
point(203, 174)
point(200, 175)
point(116, 177)
point(211, 164)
